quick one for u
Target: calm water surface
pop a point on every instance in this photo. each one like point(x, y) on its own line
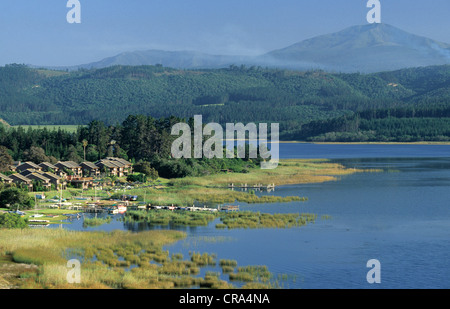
point(400, 217)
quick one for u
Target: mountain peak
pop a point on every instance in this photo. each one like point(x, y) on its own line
point(367, 48)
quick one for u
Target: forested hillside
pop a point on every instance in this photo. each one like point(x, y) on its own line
point(308, 105)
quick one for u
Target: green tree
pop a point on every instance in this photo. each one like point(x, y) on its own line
point(14, 198)
point(145, 168)
point(35, 155)
point(12, 221)
point(85, 144)
point(92, 154)
point(72, 154)
point(5, 159)
point(137, 177)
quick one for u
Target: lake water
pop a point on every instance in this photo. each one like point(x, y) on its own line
point(400, 217)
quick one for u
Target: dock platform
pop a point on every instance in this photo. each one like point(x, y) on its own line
point(228, 208)
point(260, 187)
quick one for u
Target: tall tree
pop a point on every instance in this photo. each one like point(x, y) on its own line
point(35, 155)
point(85, 144)
point(14, 198)
point(5, 159)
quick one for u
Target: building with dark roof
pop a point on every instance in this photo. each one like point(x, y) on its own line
point(5, 179)
point(28, 165)
point(90, 169)
point(55, 180)
point(22, 181)
point(44, 181)
point(126, 165)
point(70, 167)
point(48, 167)
point(110, 167)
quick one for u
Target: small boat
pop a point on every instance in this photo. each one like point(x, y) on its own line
point(113, 211)
point(122, 209)
point(18, 212)
point(37, 216)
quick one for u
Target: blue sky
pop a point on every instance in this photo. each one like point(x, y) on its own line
point(36, 32)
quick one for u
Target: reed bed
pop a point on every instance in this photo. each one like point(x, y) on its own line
point(167, 217)
point(254, 220)
point(258, 274)
point(204, 259)
point(221, 196)
point(231, 220)
point(93, 222)
point(106, 258)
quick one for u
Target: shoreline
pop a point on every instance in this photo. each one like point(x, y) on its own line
point(368, 143)
point(351, 143)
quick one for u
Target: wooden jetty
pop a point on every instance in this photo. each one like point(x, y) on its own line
point(228, 208)
point(39, 225)
point(39, 221)
point(176, 208)
point(95, 210)
point(270, 187)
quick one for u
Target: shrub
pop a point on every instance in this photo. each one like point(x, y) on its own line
point(12, 221)
point(14, 198)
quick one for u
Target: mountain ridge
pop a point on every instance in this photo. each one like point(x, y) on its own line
point(364, 48)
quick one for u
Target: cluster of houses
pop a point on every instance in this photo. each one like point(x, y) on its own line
point(62, 173)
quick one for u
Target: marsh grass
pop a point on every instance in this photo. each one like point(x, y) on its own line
point(231, 220)
point(204, 259)
point(107, 256)
point(259, 274)
point(167, 217)
point(93, 222)
point(255, 220)
point(232, 263)
point(221, 196)
point(228, 266)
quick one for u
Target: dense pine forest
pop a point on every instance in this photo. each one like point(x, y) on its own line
point(405, 105)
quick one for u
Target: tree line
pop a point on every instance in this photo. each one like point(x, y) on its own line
point(143, 140)
point(384, 125)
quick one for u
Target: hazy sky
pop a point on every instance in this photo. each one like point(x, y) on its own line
point(37, 32)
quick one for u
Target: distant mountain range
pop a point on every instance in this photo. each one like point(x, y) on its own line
point(366, 49)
